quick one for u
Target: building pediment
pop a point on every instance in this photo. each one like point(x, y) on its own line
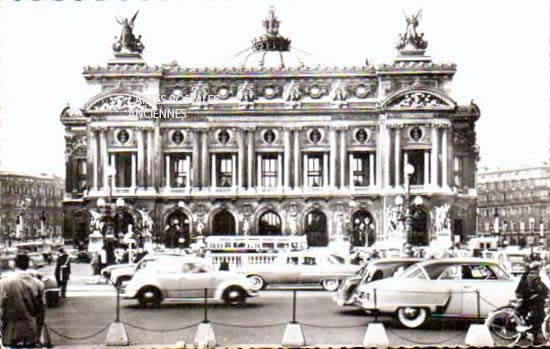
point(118, 100)
point(419, 99)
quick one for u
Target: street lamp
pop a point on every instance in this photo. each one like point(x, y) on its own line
point(409, 171)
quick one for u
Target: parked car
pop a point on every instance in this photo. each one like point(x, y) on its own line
point(515, 261)
point(186, 277)
point(446, 287)
point(372, 271)
point(303, 267)
point(36, 260)
point(124, 272)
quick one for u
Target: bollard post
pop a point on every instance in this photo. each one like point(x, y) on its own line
point(375, 307)
point(478, 306)
point(293, 306)
point(117, 304)
point(205, 306)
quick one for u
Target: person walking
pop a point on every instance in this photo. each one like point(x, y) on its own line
point(63, 271)
point(21, 306)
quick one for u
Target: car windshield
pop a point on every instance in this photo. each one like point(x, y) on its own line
point(517, 258)
point(416, 272)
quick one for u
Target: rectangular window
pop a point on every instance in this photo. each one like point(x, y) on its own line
point(416, 159)
point(225, 170)
point(123, 165)
point(269, 170)
point(180, 170)
point(360, 170)
point(315, 170)
point(81, 175)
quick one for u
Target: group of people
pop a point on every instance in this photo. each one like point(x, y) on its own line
point(22, 309)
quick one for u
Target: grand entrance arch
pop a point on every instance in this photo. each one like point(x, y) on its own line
point(419, 227)
point(362, 228)
point(224, 223)
point(315, 227)
point(269, 224)
point(177, 230)
point(123, 219)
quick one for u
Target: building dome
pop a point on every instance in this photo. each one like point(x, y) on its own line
point(272, 50)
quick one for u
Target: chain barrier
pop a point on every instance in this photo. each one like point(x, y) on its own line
point(248, 326)
point(159, 329)
point(331, 327)
point(76, 338)
point(425, 343)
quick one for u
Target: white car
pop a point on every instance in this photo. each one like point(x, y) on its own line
point(124, 272)
point(303, 267)
point(183, 278)
point(439, 288)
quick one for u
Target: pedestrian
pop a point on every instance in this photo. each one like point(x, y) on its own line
point(63, 271)
point(22, 306)
point(533, 293)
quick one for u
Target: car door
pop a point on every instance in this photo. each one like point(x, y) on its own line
point(494, 286)
point(450, 281)
point(310, 270)
point(193, 281)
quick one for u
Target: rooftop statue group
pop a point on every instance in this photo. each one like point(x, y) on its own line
point(127, 42)
point(412, 40)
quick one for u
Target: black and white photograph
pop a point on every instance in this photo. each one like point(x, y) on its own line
point(274, 173)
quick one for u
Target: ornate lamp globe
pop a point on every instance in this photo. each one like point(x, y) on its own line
point(399, 200)
point(120, 202)
point(418, 201)
point(111, 170)
point(409, 169)
point(101, 202)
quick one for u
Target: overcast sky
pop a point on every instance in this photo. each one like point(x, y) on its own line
point(501, 49)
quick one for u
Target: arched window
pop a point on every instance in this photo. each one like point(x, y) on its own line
point(177, 230)
point(363, 228)
point(315, 227)
point(270, 224)
point(223, 224)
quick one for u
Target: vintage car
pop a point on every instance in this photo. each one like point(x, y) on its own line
point(439, 288)
point(124, 272)
point(515, 261)
point(372, 271)
point(184, 278)
point(36, 260)
point(303, 267)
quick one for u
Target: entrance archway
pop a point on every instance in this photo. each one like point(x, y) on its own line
point(419, 227)
point(177, 226)
point(269, 224)
point(122, 220)
point(363, 228)
point(224, 224)
point(315, 227)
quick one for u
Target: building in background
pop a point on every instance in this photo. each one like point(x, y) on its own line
point(514, 203)
point(274, 147)
point(31, 205)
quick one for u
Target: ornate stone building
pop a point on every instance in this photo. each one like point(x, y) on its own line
point(25, 200)
point(514, 204)
point(275, 147)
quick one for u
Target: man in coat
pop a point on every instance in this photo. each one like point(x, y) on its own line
point(21, 307)
point(63, 271)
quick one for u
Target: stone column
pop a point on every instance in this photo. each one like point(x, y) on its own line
point(387, 150)
point(250, 158)
point(205, 160)
point(426, 167)
point(104, 156)
point(140, 158)
point(434, 156)
point(372, 164)
point(134, 171)
point(241, 158)
point(304, 171)
point(332, 157)
point(234, 170)
point(150, 165)
point(167, 171)
point(280, 170)
point(188, 171)
point(157, 150)
point(397, 156)
point(343, 157)
point(325, 169)
point(213, 171)
point(195, 159)
point(444, 159)
point(112, 163)
point(258, 171)
point(297, 158)
point(287, 157)
point(350, 173)
point(93, 149)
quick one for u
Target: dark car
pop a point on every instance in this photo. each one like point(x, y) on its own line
point(372, 271)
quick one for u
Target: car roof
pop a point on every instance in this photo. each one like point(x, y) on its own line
point(397, 260)
point(459, 260)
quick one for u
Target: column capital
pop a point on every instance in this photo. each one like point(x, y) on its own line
point(443, 125)
point(248, 128)
point(99, 128)
point(395, 126)
point(339, 127)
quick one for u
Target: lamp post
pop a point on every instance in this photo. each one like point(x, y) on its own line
point(409, 170)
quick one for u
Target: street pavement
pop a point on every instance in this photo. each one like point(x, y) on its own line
point(90, 308)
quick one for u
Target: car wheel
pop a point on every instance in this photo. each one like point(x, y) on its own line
point(234, 296)
point(149, 296)
point(412, 317)
point(330, 284)
point(258, 283)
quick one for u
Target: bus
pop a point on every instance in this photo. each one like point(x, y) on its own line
point(255, 244)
